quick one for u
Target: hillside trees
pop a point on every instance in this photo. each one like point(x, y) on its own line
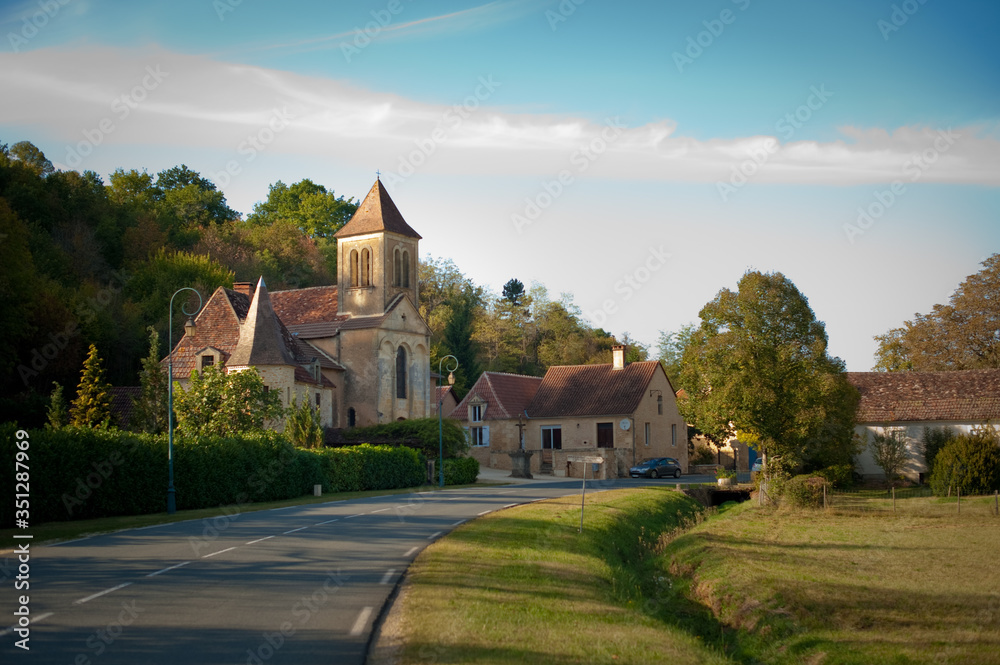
point(758, 363)
point(964, 334)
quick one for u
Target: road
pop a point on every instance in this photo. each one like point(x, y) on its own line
point(296, 585)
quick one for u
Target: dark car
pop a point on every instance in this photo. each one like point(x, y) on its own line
point(656, 467)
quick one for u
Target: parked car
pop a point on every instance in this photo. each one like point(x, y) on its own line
point(758, 464)
point(656, 467)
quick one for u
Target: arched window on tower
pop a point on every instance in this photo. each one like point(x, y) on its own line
point(397, 274)
point(401, 373)
point(354, 267)
point(406, 270)
point(366, 267)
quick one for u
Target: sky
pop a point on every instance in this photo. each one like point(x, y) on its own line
point(640, 156)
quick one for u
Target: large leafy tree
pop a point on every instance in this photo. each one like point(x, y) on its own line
point(758, 363)
point(670, 350)
point(964, 334)
point(225, 404)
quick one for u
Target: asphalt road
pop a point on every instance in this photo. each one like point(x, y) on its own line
point(297, 585)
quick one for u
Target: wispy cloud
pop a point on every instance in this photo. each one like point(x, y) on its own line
point(63, 94)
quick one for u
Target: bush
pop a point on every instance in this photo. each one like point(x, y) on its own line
point(933, 440)
point(803, 491)
point(970, 462)
point(461, 471)
point(703, 455)
point(367, 467)
point(838, 475)
point(421, 431)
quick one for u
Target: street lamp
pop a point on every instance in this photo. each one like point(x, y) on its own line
point(188, 329)
point(451, 382)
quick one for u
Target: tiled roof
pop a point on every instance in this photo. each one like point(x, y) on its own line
point(377, 213)
point(592, 390)
point(963, 395)
point(317, 304)
point(317, 330)
point(262, 337)
point(217, 325)
point(506, 395)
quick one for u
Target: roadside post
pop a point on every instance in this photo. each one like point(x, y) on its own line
point(586, 459)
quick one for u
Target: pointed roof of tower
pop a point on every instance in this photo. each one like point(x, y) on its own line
point(377, 213)
point(261, 341)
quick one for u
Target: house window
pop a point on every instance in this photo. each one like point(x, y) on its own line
point(207, 360)
point(366, 267)
point(659, 405)
point(352, 417)
point(401, 373)
point(647, 434)
point(476, 413)
point(397, 277)
point(552, 437)
point(605, 435)
point(406, 270)
point(267, 389)
point(479, 436)
point(319, 401)
point(673, 435)
point(354, 267)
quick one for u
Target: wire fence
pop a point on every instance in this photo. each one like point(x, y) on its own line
point(909, 500)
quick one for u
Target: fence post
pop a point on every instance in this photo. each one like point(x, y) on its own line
point(958, 493)
point(824, 496)
point(894, 499)
point(996, 501)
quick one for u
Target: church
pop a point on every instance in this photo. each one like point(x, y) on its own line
point(359, 351)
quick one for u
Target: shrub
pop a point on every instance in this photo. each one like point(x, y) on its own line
point(970, 462)
point(367, 467)
point(838, 475)
point(703, 455)
point(422, 431)
point(461, 471)
point(933, 440)
point(803, 491)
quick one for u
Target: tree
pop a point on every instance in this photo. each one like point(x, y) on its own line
point(964, 334)
point(457, 340)
point(513, 292)
point(303, 426)
point(758, 362)
point(933, 440)
point(970, 462)
point(225, 404)
point(92, 406)
point(58, 415)
point(889, 451)
point(29, 154)
point(149, 412)
point(670, 350)
point(316, 211)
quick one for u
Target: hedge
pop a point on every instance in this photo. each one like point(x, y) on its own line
point(461, 471)
point(81, 473)
point(422, 432)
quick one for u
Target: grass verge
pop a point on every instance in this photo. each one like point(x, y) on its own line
point(524, 586)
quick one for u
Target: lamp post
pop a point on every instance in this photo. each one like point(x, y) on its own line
point(171, 503)
point(451, 382)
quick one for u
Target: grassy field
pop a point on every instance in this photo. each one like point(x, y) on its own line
point(747, 585)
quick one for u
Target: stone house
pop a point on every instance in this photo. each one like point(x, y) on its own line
point(359, 349)
point(912, 401)
point(623, 413)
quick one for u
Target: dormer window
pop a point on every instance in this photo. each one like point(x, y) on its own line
point(206, 360)
point(477, 408)
point(207, 357)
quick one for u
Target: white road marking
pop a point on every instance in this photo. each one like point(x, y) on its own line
point(228, 549)
point(253, 542)
point(352, 516)
point(484, 513)
point(510, 505)
point(410, 552)
point(459, 522)
point(168, 568)
point(327, 522)
point(434, 535)
point(361, 621)
point(380, 510)
point(284, 508)
point(101, 593)
point(294, 530)
point(70, 542)
point(388, 576)
point(34, 620)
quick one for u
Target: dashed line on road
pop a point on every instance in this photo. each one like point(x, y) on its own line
point(34, 620)
point(361, 621)
point(328, 521)
point(434, 535)
point(388, 576)
point(254, 542)
point(459, 522)
point(485, 512)
point(294, 530)
point(168, 568)
point(510, 505)
point(228, 549)
point(353, 516)
point(380, 510)
point(89, 598)
point(410, 552)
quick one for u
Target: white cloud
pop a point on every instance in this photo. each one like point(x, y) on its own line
point(209, 104)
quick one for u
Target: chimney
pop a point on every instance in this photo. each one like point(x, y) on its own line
point(246, 288)
point(618, 356)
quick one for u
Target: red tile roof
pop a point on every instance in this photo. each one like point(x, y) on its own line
point(963, 395)
point(377, 213)
point(592, 390)
point(506, 395)
point(263, 340)
point(317, 304)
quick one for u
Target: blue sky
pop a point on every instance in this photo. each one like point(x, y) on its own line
point(853, 146)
